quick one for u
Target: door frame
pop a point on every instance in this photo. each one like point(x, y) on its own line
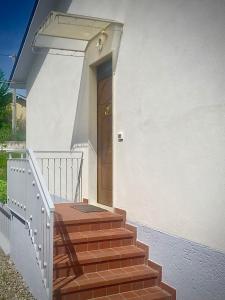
point(84, 134)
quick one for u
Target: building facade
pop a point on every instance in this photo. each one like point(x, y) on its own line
point(145, 103)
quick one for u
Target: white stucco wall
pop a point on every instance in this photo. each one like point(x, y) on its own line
point(169, 102)
point(53, 89)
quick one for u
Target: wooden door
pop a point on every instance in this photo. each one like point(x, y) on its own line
point(104, 135)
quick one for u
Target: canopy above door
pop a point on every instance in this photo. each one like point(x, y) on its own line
point(69, 31)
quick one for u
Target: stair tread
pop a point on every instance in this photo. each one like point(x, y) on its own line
point(90, 236)
point(100, 255)
point(151, 293)
point(103, 278)
point(67, 214)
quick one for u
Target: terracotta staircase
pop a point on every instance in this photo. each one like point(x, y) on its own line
point(97, 256)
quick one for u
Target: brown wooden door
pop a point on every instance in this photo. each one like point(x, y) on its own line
point(104, 140)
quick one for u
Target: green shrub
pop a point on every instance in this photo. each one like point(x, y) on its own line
point(3, 191)
point(3, 165)
point(3, 176)
point(5, 133)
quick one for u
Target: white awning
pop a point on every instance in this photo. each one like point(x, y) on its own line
point(68, 31)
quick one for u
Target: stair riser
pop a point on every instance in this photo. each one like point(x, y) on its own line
point(62, 228)
point(108, 290)
point(80, 247)
point(101, 266)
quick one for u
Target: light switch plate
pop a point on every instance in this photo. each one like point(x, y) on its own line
point(120, 136)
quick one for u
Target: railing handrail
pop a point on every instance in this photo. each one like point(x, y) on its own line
point(50, 207)
point(14, 150)
point(40, 178)
point(42, 151)
point(58, 151)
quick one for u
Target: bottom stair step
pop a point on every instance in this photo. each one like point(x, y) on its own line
point(151, 293)
point(104, 283)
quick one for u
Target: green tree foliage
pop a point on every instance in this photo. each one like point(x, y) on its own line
point(5, 132)
point(3, 86)
point(5, 95)
point(5, 99)
point(5, 109)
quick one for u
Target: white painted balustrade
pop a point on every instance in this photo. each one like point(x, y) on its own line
point(35, 182)
point(62, 171)
point(30, 200)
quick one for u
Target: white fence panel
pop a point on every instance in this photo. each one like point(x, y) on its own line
point(62, 171)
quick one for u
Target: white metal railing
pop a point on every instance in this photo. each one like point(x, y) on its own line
point(5, 219)
point(62, 171)
point(29, 199)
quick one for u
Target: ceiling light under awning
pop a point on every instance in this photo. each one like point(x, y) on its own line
point(68, 31)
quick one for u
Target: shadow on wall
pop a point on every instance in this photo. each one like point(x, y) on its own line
point(80, 126)
point(40, 54)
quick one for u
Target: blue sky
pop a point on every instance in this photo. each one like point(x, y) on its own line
point(14, 16)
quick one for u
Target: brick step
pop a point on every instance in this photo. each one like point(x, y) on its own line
point(98, 260)
point(151, 293)
point(102, 283)
point(60, 227)
point(92, 240)
point(68, 219)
